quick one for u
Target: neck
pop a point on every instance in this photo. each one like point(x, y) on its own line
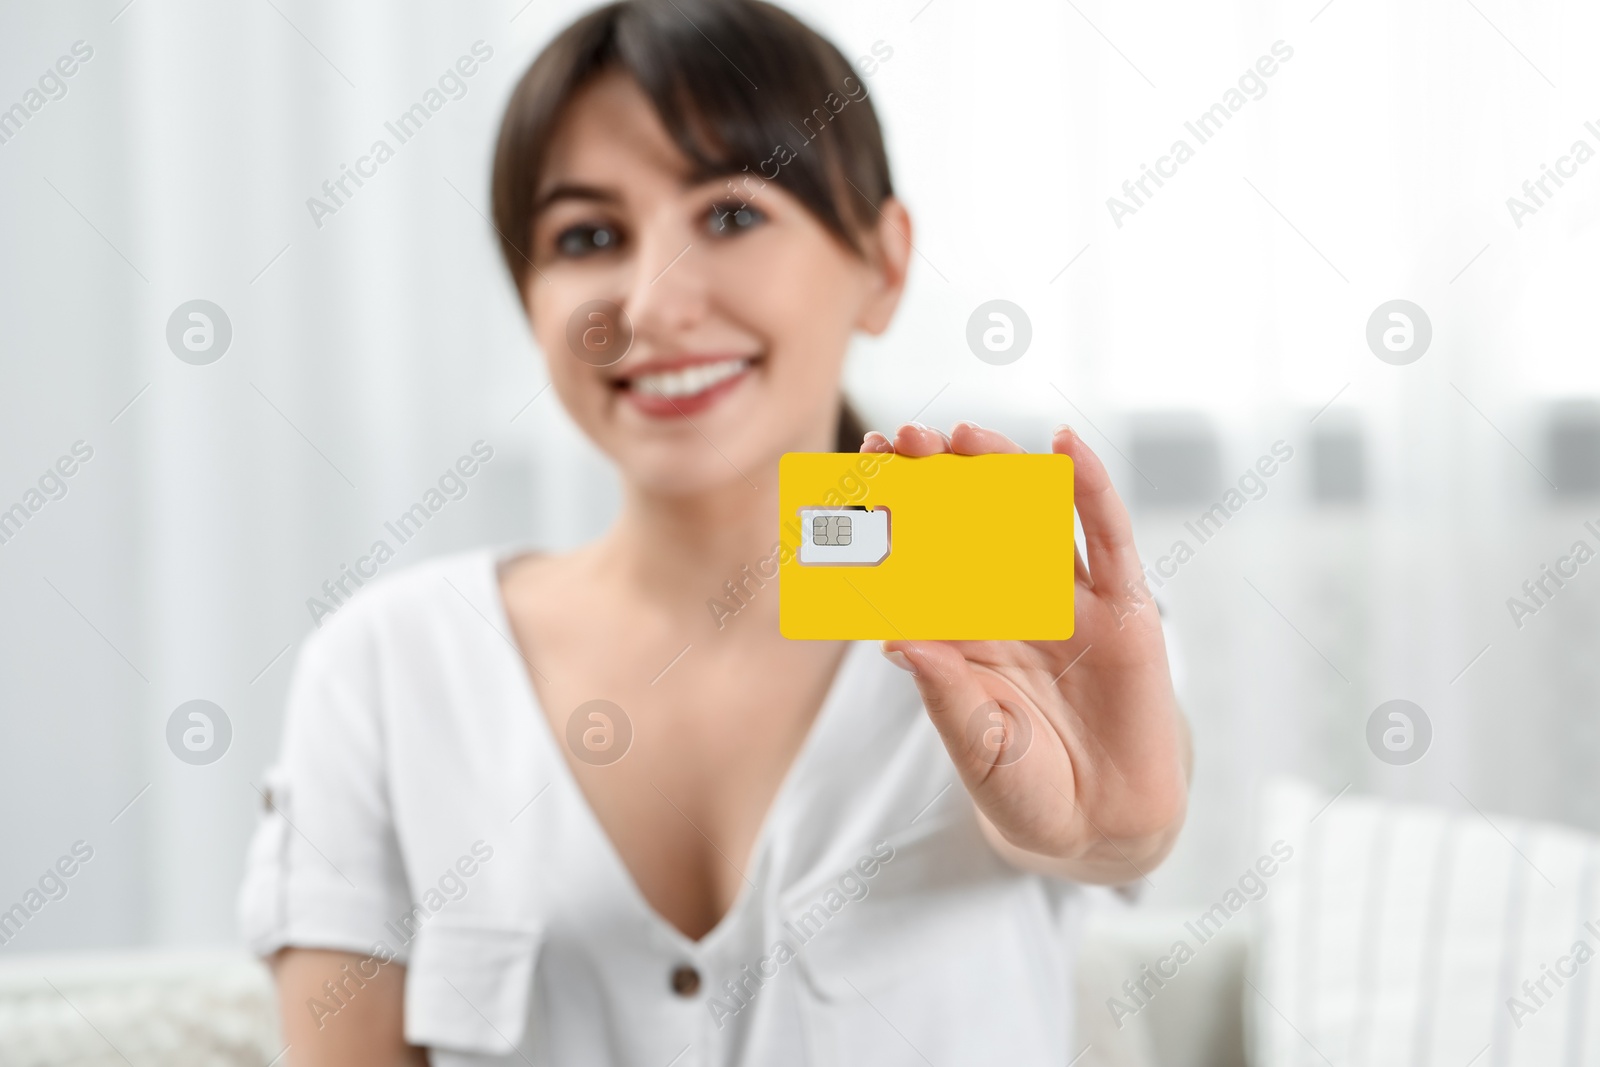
point(681, 549)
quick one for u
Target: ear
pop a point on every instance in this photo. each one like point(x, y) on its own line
point(891, 255)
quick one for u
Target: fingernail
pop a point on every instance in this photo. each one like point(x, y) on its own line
point(899, 660)
point(920, 426)
point(1063, 426)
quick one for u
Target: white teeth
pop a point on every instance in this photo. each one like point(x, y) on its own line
point(689, 380)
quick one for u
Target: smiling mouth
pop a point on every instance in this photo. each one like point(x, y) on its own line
point(686, 381)
point(674, 389)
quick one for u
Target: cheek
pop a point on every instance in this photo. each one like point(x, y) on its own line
point(574, 387)
point(805, 303)
point(549, 304)
point(577, 385)
point(545, 326)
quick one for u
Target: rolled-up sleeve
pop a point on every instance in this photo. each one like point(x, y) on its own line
point(324, 866)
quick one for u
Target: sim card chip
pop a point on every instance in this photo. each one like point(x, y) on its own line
point(844, 537)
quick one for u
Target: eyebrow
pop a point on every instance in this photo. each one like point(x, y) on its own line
point(579, 191)
point(569, 191)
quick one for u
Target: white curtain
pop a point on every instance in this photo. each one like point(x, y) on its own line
point(1226, 313)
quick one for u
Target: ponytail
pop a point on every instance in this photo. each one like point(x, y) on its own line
point(851, 429)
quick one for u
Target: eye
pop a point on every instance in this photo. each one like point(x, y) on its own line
point(733, 217)
point(586, 239)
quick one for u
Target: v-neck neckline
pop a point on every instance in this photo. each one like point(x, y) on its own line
point(517, 664)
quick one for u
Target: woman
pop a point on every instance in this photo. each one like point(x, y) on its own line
point(751, 850)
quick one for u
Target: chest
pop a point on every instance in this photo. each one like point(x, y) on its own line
point(680, 751)
point(869, 861)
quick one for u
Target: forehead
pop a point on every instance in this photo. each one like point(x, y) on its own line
point(609, 133)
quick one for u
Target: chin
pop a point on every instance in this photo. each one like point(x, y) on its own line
point(691, 467)
point(696, 431)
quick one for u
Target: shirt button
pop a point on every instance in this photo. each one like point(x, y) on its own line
point(685, 980)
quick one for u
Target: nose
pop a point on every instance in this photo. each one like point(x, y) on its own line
point(668, 296)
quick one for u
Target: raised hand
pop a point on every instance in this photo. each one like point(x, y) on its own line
point(1074, 751)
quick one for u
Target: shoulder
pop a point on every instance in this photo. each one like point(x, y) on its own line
point(399, 614)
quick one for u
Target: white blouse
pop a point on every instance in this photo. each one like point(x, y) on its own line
point(422, 811)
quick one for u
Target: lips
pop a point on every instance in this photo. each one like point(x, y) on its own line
point(679, 388)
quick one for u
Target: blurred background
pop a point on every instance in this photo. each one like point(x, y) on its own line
point(355, 354)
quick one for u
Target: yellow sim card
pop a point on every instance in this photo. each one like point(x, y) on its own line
point(878, 546)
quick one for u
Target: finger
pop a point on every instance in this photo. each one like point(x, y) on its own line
point(915, 439)
point(951, 694)
point(876, 442)
point(1107, 529)
point(969, 439)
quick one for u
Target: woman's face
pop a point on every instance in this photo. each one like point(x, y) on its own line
point(741, 303)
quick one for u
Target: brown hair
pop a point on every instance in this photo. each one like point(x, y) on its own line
point(736, 83)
